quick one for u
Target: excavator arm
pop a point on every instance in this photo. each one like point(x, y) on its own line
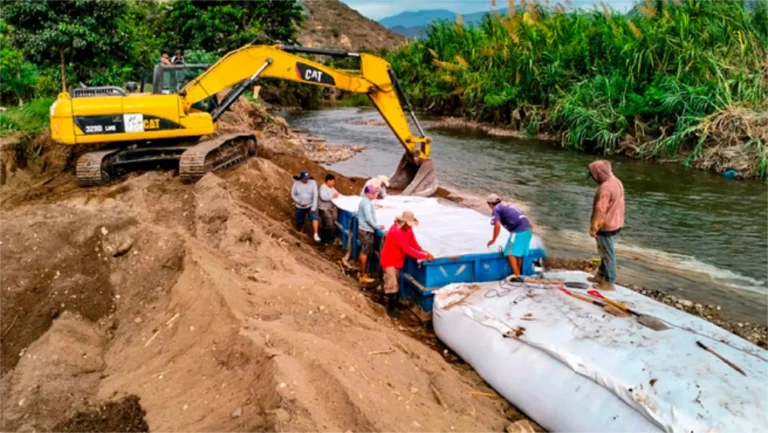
point(239, 69)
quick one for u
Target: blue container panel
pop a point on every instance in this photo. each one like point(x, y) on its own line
point(419, 295)
point(374, 266)
point(344, 221)
point(471, 268)
point(347, 222)
point(418, 281)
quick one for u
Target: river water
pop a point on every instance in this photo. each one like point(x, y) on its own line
point(688, 232)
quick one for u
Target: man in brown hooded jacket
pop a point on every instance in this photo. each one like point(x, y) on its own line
point(607, 221)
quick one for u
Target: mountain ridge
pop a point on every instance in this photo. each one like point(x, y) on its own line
point(413, 24)
point(333, 24)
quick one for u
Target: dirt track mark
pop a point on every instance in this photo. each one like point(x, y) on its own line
point(77, 279)
point(125, 415)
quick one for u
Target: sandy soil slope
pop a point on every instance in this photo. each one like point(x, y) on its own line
point(199, 308)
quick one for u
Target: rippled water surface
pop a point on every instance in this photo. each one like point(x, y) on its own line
point(679, 221)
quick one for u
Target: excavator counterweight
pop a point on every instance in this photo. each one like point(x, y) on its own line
point(167, 125)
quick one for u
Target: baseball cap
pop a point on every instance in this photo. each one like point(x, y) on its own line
point(493, 199)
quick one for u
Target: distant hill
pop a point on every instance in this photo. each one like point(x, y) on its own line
point(417, 18)
point(414, 24)
point(333, 24)
point(410, 32)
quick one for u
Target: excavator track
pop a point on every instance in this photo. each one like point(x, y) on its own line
point(94, 168)
point(215, 154)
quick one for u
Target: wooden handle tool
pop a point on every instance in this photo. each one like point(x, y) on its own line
point(730, 364)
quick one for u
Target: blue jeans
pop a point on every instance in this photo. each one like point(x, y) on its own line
point(301, 214)
point(605, 249)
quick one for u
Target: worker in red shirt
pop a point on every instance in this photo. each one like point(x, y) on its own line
point(399, 243)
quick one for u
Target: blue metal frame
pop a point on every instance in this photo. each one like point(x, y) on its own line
point(419, 280)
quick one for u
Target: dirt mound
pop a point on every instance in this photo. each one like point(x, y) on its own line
point(204, 303)
point(209, 308)
point(333, 24)
point(125, 415)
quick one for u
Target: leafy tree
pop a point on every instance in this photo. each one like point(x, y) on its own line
point(221, 26)
point(17, 76)
point(81, 33)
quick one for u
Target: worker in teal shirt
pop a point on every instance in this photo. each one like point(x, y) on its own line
point(519, 228)
point(366, 229)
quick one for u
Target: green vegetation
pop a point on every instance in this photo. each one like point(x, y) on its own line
point(221, 26)
point(49, 45)
point(31, 118)
point(655, 82)
point(355, 100)
point(17, 76)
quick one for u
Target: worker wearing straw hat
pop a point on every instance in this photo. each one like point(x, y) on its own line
point(399, 243)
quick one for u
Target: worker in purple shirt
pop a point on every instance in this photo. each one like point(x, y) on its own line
point(512, 219)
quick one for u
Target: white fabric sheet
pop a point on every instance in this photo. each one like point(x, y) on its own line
point(444, 230)
point(575, 367)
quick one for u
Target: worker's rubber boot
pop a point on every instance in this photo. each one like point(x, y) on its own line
point(595, 279)
point(605, 286)
point(392, 303)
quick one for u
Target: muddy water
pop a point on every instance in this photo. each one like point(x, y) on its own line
point(688, 232)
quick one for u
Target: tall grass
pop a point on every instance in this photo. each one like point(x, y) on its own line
point(31, 118)
point(597, 76)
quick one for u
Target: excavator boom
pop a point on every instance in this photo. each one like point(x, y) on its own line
point(168, 117)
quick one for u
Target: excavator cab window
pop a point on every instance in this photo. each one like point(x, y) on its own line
point(170, 79)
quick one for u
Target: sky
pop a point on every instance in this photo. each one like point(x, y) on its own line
point(377, 10)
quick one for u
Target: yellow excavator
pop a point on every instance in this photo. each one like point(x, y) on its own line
point(175, 122)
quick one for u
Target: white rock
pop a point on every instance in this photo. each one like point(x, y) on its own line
point(237, 413)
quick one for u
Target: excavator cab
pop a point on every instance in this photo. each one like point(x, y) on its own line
point(170, 79)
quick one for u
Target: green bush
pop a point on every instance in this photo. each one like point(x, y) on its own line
point(355, 100)
point(200, 57)
point(31, 118)
point(597, 75)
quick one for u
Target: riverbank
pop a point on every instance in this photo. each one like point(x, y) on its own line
point(460, 123)
point(728, 147)
point(607, 82)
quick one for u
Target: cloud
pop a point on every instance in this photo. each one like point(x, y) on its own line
point(377, 10)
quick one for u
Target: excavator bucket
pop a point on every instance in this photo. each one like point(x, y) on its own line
point(415, 179)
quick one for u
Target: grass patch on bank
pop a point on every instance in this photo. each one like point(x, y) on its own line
point(31, 118)
point(354, 100)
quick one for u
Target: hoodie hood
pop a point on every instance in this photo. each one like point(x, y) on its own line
point(600, 170)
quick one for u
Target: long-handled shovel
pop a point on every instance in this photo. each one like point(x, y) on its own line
point(608, 308)
point(643, 319)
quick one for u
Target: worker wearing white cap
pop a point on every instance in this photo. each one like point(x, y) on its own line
point(381, 183)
